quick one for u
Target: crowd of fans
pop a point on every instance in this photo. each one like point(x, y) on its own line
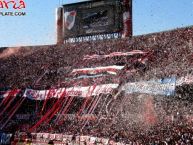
point(137, 118)
point(46, 66)
point(170, 121)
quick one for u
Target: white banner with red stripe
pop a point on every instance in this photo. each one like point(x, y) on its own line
point(73, 91)
point(93, 71)
point(133, 52)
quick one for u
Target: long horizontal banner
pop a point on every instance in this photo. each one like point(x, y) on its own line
point(74, 116)
point(160, 87)
point(73, 91)
point(60, 139)
point(86, 77)
point(105, 69)
point(66, 138)
point(133, 52)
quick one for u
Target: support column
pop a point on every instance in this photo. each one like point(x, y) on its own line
point(127, 19)
point(59, 25)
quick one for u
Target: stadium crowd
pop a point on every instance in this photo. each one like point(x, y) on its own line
point(163, 120)
point(48, 66)
point(173, 123)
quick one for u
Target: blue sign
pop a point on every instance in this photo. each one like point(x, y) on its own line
point(5, 138)
point(164, 86)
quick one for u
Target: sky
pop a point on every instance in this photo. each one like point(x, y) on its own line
point(38, 26)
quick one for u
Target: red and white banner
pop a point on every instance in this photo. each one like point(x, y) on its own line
point(12, 93)
point(73, 91)
point(69, 19)
point(133, 52)
point(92, 71)
point(68, 138)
